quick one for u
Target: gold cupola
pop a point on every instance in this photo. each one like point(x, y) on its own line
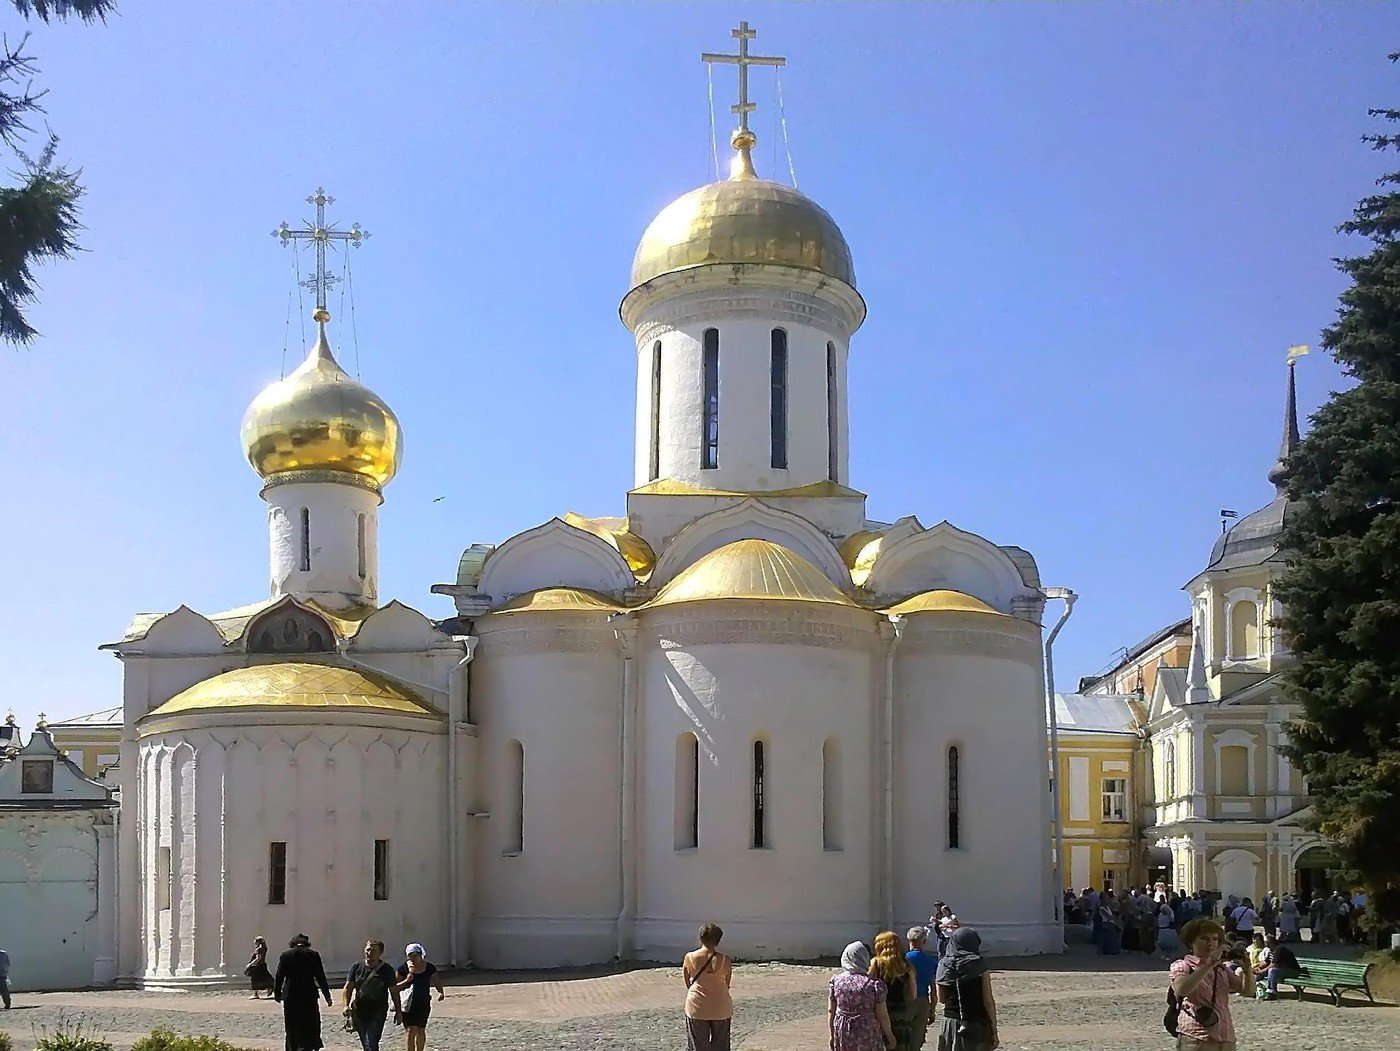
point(319, 421)
point(743, 219)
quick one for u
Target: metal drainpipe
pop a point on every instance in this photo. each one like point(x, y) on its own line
point(456, 692)
point(622, 631)
point(1068, 597)
point(887, 855)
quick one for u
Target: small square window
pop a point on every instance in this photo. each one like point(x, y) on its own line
point(36, 776)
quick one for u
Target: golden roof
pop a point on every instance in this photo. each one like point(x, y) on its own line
point(558, 600)
point(617, 533)
point(942, 601)
point(232, 623)
point(743, 219)
point(297, 685)
point(320, 419)
point(860, 550)
point(751, 569)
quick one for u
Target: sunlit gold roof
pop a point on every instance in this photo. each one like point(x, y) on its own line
point(617, 533)
point(743, 219)
point(320, 419)
point(942, 601)
point(751, 569)
point(558, 600)
point(296, 686)
point(860, 550)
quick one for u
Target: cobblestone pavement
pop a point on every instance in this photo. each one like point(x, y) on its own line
point(1052, 1002)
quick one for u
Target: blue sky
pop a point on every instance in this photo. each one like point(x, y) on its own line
point(1086, 233)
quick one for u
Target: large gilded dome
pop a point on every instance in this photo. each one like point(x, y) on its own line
point(743, 219)
point(320, 419)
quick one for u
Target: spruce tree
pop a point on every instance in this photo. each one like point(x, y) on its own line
point(39, 216)
point(1341, 587)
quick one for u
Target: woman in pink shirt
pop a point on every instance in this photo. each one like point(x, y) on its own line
point(1203, 985)
point(708, 1008)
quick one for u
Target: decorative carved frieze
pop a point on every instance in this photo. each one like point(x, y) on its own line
point(545, 638)
point(795, 308)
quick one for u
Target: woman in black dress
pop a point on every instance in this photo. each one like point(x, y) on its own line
point(256, 970)
point(417, 979)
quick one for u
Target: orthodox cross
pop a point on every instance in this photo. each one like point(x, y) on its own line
point(743, 60)
point(321, 234)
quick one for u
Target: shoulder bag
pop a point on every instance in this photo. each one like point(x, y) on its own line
point(701, 969)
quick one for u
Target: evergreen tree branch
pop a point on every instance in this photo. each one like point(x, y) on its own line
point(61, 10)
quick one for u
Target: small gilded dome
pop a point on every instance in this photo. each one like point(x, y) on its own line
point(320, 419)
point(755, 570)
point(743, 219)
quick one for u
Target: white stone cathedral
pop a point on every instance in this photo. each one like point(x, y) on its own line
point(741, 701)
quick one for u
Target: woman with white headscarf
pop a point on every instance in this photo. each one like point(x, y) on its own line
point(964, 988)
point(416, 975)
point(856, 1015)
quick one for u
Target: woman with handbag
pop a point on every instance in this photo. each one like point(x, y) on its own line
point(964, 988)
point(708, 1008)
point(1200, 990)
point(417, 978)
point(257, 971)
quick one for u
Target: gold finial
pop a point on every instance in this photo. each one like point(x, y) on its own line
point(743, 140)
point(321, 315)
point(43, 723)
point(10, 719)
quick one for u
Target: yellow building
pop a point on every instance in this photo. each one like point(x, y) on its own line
point(92, 741)
point(1100, 744)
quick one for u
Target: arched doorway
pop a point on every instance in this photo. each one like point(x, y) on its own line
point(1313, 872)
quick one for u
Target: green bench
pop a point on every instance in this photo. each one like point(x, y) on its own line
point(1331, 976)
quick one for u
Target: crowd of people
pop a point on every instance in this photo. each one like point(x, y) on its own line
point(885, 997)
point(372, 986)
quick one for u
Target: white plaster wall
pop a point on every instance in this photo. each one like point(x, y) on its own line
point(705, 670)
point(334, 577)
point(745, 320)
point(218, 798)
point(553, 682)
point(974, 682)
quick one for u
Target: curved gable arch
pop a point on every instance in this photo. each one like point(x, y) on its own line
point(751, 519)
point(397, 627)
point(948, 557)
point(289, 627)
point(553, 555)
point(183, 632)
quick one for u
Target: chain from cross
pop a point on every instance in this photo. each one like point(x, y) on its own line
point(322, 235)
point(743, 60)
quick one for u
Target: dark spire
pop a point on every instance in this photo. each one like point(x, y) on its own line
point(1278, 473)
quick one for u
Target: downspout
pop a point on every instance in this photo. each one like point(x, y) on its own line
point(456, 710)
point(626, 633)
point(1068, 597)
point(887, 751)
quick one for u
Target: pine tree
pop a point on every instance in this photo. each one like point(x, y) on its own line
point(38, 217)
point(1341, 588)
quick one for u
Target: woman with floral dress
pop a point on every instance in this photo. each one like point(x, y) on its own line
point(855, 1013)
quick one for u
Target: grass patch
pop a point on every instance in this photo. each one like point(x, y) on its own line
point(1385, 975)
point(169, 1040)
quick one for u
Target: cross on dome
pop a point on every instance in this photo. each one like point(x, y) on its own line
point(321, 234)
point(743, 60)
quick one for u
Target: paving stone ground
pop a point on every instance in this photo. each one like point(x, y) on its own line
point(1072, 1001)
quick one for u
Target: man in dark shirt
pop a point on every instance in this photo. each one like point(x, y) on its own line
point(1282, 964)
point(368, 989)
point(299, 975)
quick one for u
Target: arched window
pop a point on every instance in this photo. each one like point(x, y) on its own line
point(1169, 770)
point(687, 791)
point(709, 402)
point(760, 814)
point(306, 539)
point(833, 802)
point(954, 801)
point(778, 398)
point(655, 468)
point(515, 798)
point(1244, 629)
point(360, 537)
point(832, 428)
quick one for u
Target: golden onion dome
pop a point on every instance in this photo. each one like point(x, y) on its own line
point(743, 219)
point(753, 570)
point(942, 601)
point(321, 419)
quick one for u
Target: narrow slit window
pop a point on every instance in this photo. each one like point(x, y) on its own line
point(833, 803)
point(709, 402)
point(364, 559)
point(760, 814)
point(954, 802)
point(655, 468)
point(778, 382)
point(832, 429)
point(305, 539)
point(381, 870)
point(277, 874)
point(687, 791)
point(515, 773)
point(163, 878)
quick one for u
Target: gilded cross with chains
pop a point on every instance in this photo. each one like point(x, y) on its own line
point(322, 235)
point(743, 60)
